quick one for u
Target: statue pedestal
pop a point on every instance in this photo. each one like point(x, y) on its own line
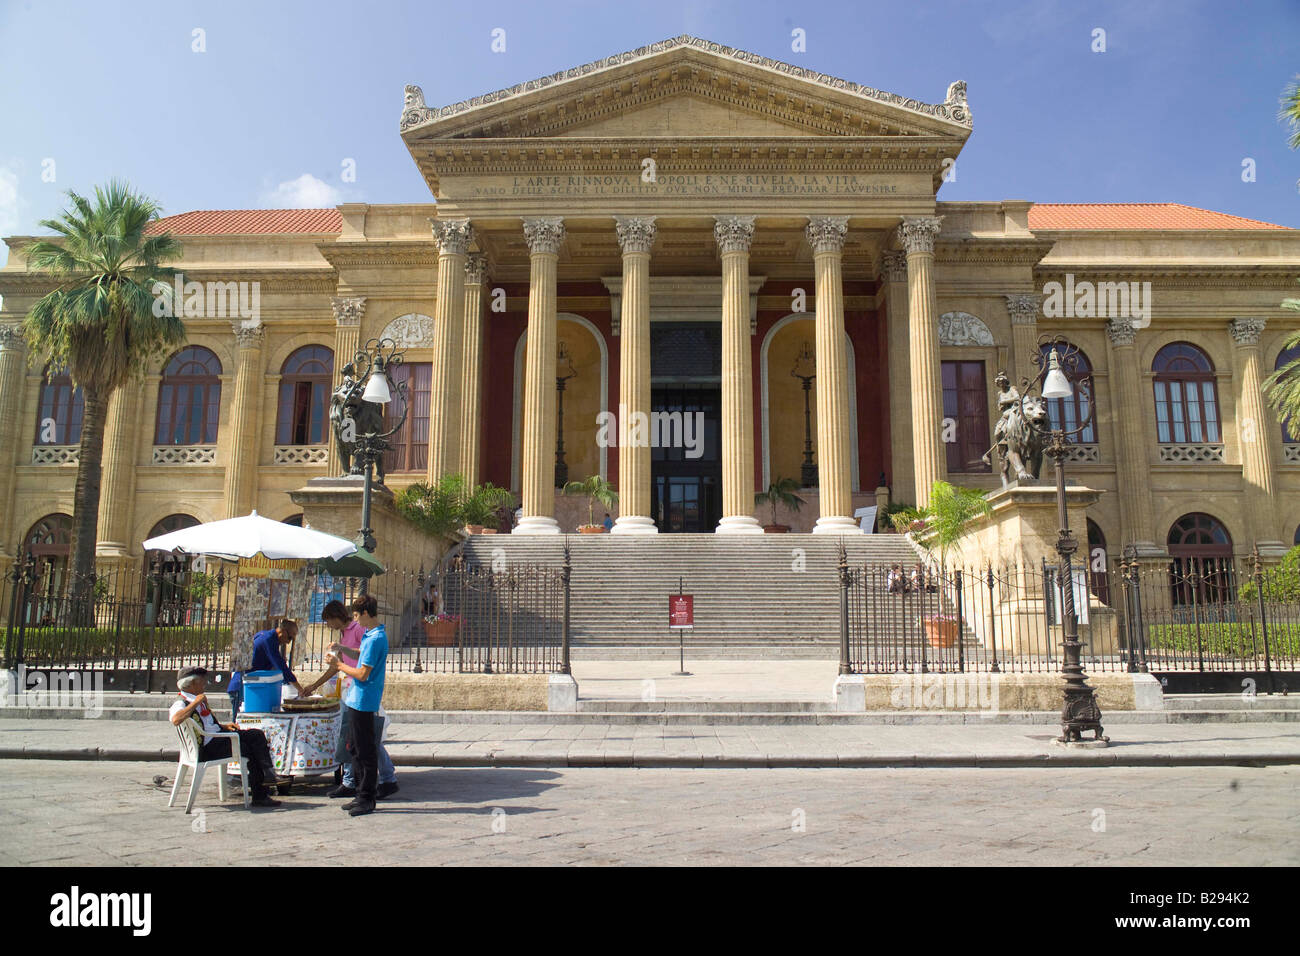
point(333, 505)
point(1021, 534)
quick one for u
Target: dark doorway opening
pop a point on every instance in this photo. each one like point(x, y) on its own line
point(685, 426)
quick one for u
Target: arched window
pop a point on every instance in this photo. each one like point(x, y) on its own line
point(295, 520)
point(305, 379)
point(169, 594)
point(1067, 413)
point(1201, 549)
point(189, 401)
point(58, 419)
point(1098, 563)
point(49, 541)
point(1286, 357)
point(1187, 398)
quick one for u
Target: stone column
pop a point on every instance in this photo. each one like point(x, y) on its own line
point(834, 468)
point(453, 237)
point(1024, 309)
point(733, 235)
point(544, 235)
point(117, 487)
point(902, 472)
point(245, 407)
point(12, 388)
point(472, 370)
point(929, 456)
point(1132, 408)
point(1254, 428)
point(636, 234)
point(348, 312)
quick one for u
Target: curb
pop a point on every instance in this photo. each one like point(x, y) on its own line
point(1104, 758)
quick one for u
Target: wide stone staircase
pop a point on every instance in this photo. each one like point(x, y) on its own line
point(754, 596)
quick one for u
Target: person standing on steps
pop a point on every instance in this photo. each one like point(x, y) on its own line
point(361, 702)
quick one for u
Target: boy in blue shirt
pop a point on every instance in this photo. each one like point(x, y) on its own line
point(363, 698)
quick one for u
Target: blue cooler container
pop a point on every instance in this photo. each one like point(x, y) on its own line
point(262, 692)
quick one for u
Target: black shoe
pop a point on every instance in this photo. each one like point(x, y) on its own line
point(342, 791)
point(264, 800)
point(349, 805)
point(386, 790)
point(362, 808)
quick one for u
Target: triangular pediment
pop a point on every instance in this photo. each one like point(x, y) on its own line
point(685, 87)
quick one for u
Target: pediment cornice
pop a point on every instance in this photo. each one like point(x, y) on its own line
point(802, 99)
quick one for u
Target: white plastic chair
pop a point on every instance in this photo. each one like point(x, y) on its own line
point(191, 733)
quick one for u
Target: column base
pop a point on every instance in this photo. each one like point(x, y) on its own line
point(739, 524)
point(537, 524)
point(634, 524)
point(1272, 551)
point(836, 524)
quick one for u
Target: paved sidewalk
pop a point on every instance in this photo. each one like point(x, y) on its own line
point(545, 744)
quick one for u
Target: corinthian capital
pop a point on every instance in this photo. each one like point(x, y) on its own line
point(893, 266)
point(248, 336)
point(1121, 332)
point(475, 268)
point(1024, 308)
point(348, 310)
point(918, 234)
point(635, 233)
point(826, 233)
point(733, 233)
point(1246, 331)
point(11, 337)
point(452, 235)
point(544, 234)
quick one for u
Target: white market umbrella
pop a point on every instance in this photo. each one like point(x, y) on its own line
point(252, 534)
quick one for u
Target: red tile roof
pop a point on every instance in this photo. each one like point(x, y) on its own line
point(1135, 215)
point(231, 222)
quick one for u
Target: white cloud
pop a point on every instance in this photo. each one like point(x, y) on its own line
point(305, 192)
point(9, 217)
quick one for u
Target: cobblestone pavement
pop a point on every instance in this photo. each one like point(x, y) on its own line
point(83, 813)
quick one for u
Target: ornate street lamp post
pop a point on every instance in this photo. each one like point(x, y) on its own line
point(361, 427)
point(564, 371)
point(1058, 375)
point(805, 370)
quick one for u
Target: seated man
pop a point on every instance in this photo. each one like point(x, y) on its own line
point(193, 702)
point(268, 655)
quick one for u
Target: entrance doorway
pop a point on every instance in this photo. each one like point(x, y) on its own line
point(686, 398)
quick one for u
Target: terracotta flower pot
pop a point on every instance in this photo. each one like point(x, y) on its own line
point(592, 529)
point(942, 632)
point(474, 528)
point(441, 633)
point(776, 528)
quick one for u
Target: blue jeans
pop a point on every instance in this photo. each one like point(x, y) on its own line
point(387, 772)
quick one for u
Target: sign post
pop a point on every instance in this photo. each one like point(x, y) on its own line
point(681, 618)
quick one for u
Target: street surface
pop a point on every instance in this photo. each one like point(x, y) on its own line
point(67, 813)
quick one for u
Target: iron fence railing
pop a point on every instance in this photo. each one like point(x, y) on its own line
point(149, 621)
point(1180, 615)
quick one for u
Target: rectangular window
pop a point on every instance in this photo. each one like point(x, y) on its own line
point(965, 402)
point(410, 446)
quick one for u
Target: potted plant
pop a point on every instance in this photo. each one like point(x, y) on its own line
point(779, 492)
point(480, 505)
point(440, 630)
point(596, 489)
point(898, 518)
point(944, 522)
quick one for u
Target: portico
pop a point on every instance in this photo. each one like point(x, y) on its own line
point(673, 165)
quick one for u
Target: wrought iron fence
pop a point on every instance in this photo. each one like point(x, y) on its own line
point(148, 621)
point(1185, 615)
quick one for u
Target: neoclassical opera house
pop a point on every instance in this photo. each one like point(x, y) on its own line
point(688, 227)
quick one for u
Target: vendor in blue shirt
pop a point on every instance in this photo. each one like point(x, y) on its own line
point(363, 697)
point(268, 655)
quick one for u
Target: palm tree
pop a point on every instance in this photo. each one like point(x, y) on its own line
point(1290, 114)
point(780, 492)
point(101, 323)
point(1282, 388)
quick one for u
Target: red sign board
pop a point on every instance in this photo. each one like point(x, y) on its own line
point(681, 610)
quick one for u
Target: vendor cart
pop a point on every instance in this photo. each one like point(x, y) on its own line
point(302, 742)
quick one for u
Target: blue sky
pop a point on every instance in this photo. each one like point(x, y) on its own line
point(285, 93)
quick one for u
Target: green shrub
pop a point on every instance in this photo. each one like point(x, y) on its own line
point(1240, 639)
point(1281, 583)
point(72, 643)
